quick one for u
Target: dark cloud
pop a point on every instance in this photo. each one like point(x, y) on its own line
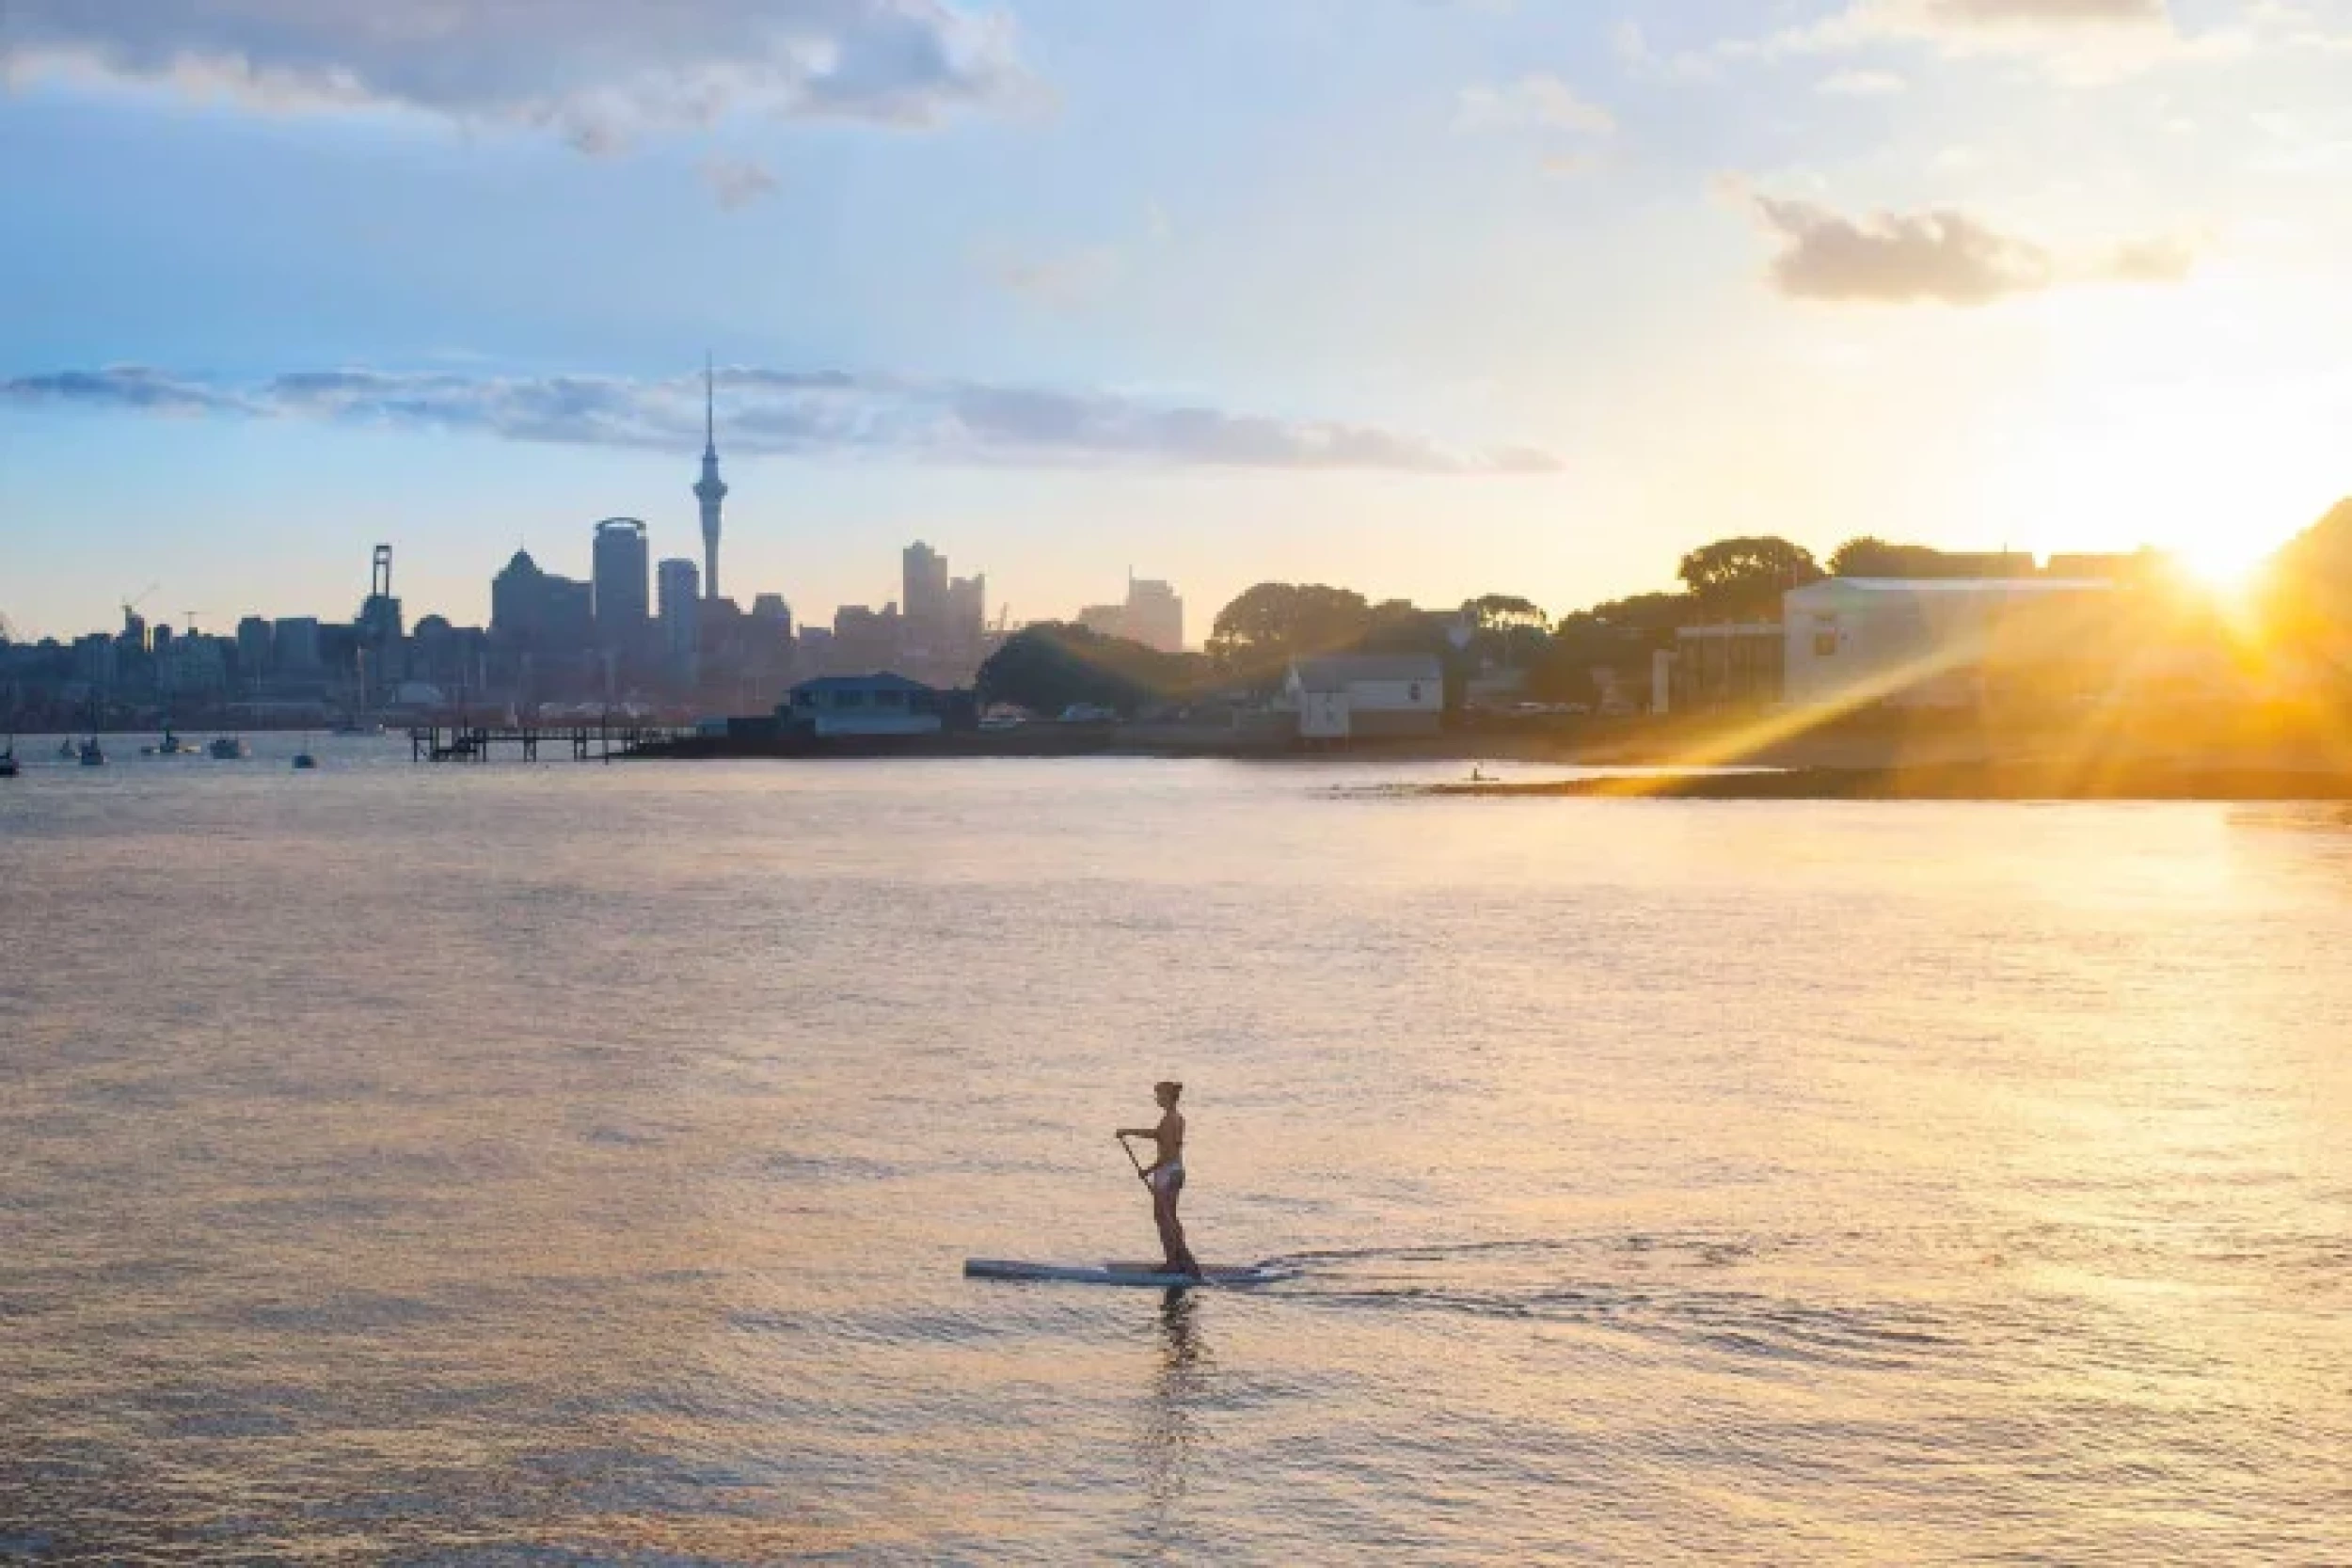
point(1946, 258)
point(596, 71)
point(795, 412)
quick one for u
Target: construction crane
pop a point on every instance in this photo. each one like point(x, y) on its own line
point(131, 606)
point(189, 616)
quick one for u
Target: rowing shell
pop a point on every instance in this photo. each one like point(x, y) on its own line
point(1143, 1276)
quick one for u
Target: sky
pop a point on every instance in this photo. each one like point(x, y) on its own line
point(1429, 298)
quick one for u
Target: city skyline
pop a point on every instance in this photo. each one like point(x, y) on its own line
point(1521, 294)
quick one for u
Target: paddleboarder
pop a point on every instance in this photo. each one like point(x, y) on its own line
point(1165, 1176)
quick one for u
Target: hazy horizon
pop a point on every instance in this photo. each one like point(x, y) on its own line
point(1428, 298)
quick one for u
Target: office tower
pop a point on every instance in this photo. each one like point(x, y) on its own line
point(1155, 616)
point(924, 599)
point(623, 582)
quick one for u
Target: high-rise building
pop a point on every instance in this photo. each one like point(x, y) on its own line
point(924, 600)
point(709, 490)
point(534, 610)
point(1155, 616)
point(256, 647)
point(967, 610)
point(679, 584)
point(296, 641)
point(380, 623)
point(623, 582)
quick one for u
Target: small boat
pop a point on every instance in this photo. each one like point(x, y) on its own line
point(92, 754)
point(66, 750)
point(8, 760)
point(172, 746)
point(229, 748)
point(1139, 1275)
point(304, 762)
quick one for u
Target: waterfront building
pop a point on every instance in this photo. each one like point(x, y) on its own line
point(622, 584)
point(710, 492)
point(1357, 696)
point(1738, 664)
point(1951, 642)
point(876, 705)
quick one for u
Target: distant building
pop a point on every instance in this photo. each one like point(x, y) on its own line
point(295, 639)
point(1947, 642)
point(1742, 664)
point(877, 704)
point(1152, 616)
point(1360, 696)
point(622, 583)
point(380, 624)
point(678, 583)
point(967, 612)
point(924, 574)
point(256, 648)
point(1155, 616)
point(538, 612)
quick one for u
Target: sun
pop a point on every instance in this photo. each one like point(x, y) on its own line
point(2224, 564)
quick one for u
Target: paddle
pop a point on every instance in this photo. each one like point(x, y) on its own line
point(1132, 1160)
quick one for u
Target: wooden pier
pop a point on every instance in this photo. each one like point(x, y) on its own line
point(599, 741)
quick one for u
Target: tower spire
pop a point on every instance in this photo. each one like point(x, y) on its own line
point(710, 491)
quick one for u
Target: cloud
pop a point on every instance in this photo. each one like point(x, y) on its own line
point(2079, 40)
point(736, 183)
point(1534, 103)
point(1064, 282)
point(1863, 83)
point(1944, 257)
point(792, 413)
point(595, 71)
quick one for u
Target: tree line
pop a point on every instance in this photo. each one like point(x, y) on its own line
point(1052, 666)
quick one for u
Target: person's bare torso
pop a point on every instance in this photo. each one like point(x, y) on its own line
point(1168, 1137)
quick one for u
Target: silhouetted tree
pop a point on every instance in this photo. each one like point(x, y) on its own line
point(1262, 631)
point(1744, 579)
point(1054, 666)
point(1619, 636)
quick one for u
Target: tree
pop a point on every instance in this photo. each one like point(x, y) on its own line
point(1506, 612)
point(1054, 666)
point(1270, 625)
point(1869, 557)
point(1745, 579)
point(2305, 593)
point(1619, 636)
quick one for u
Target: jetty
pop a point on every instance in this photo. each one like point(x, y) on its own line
point(601, 741)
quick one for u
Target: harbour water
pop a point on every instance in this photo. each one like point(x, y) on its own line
point(527, 1165)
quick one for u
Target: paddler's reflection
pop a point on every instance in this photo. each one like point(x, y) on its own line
point(1186, 1367)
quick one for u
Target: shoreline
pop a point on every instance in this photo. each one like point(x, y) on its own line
point(2021, 783)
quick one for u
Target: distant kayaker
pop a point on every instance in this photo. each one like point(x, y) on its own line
point(1165, 1176)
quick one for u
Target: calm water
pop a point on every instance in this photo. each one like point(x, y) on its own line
point(575, 1163)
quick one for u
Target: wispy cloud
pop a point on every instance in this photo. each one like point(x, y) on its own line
point(1538, 102)
point(737, 182)
point(595, 71)
point(2081, 40)
point(1063, 282)
point(1942, 256)
point(792, 413)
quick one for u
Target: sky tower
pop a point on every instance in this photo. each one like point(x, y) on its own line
point(710, 489)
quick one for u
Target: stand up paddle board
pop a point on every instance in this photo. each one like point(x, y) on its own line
point(1143, 1276)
